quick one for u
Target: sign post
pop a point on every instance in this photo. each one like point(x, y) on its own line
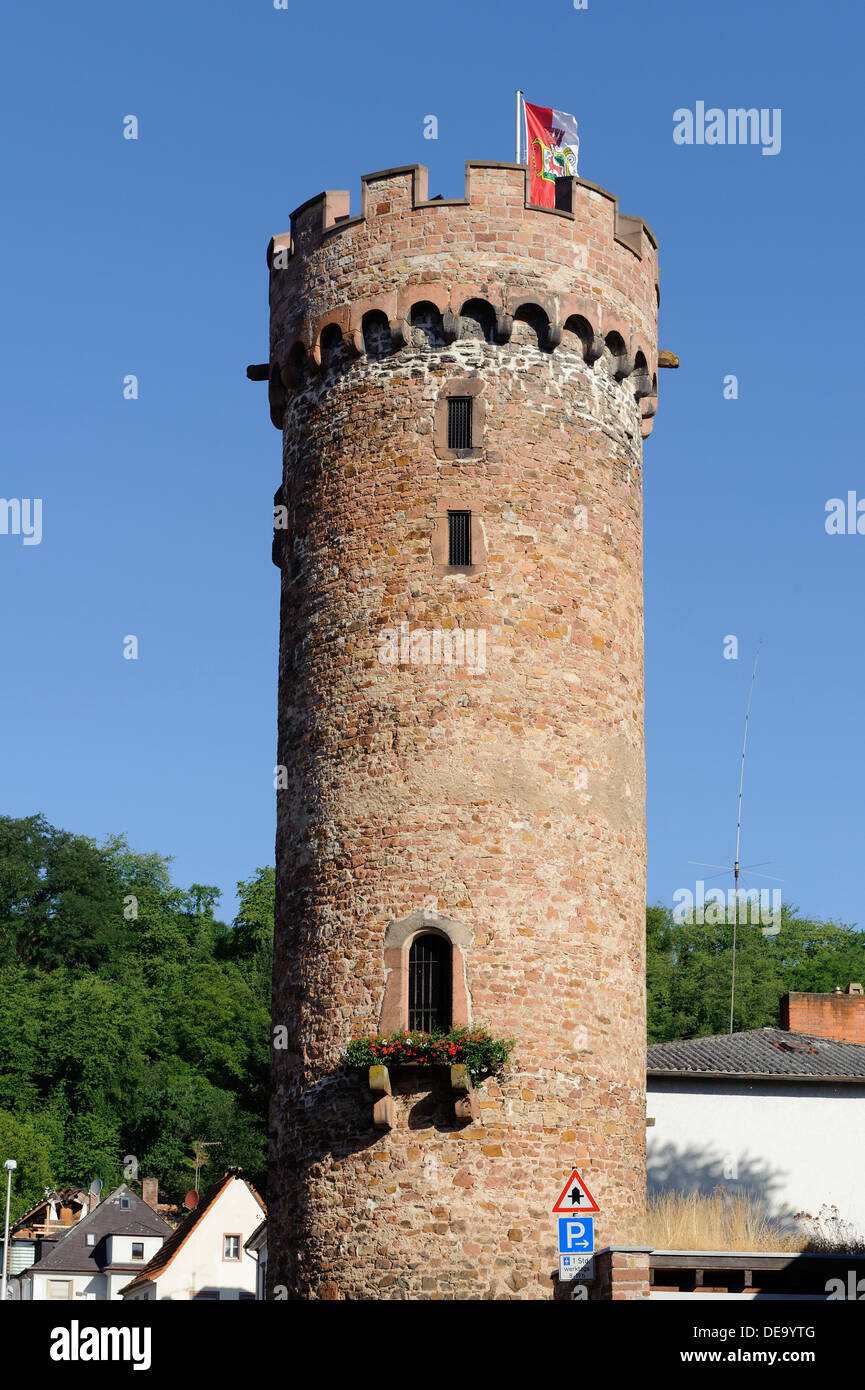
point(575, 1198)
point(576, 1230)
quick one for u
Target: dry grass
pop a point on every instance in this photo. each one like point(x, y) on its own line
point(723, 1221)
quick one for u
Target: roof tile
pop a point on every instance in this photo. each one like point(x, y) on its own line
point(760, 1052)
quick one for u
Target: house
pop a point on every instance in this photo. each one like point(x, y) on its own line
point(777, 1112)
point(52, 1216)
point(257, 1246)
point(206, 1257)
point(94, 1258)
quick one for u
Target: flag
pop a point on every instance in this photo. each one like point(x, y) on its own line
point(552, 148)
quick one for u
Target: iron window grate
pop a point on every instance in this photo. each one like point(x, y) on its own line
point(459, 422)
point(429, 984)
point(459, 538)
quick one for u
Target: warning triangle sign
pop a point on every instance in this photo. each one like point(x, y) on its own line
point(575, 1197)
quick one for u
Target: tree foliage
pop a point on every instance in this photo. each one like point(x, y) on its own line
point(689, 969)
point(132, 1022)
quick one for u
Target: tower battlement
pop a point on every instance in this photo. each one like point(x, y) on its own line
point(488, 185)
point(590, 271)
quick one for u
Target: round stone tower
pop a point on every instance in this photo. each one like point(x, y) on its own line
point(463, 386)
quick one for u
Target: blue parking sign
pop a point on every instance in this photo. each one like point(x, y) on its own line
point(576, 1235)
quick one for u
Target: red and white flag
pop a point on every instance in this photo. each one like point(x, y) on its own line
point(552, 149)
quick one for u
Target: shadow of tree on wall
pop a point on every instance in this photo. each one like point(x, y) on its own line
point(701, 1169)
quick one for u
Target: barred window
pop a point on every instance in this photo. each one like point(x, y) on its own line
point(459, 422)
point(429, 983)
point(459, 538)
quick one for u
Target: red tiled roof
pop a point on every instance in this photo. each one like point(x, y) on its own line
point(178, 1238)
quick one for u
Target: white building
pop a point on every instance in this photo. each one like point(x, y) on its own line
point(257, 1245)
point(774, 1112)
point(206, 1257)
point(94, 1258)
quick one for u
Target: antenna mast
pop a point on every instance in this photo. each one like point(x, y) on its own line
point(201, 1158)
point(738, 837)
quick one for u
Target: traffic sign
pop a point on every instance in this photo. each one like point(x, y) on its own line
point(576, 1267)
point(575, 1197)
point(576, 1235)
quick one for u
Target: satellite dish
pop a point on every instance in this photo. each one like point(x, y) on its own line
point(190, 1201)
point(95, 1187)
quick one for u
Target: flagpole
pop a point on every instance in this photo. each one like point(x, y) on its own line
point(519, 97)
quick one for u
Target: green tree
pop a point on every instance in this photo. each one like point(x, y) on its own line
point(251, 933)
point(60, 898)
point(25, 1141)
point(132, 1020)
point(689, 970)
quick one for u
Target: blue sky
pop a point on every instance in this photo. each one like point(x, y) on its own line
point(147, 257)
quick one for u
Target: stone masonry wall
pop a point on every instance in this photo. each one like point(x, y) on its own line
point(508, 797)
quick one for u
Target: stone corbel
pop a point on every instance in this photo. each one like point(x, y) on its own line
point(648, 407)
point(466, 1105)
point(276, 397)
point(289, 375)
point(450, 326)
point(504, 326)
point(383, 1115)
point(643, 385)
point(595, 350)
point(400, 332)
point(353, 340)
point(554, 335)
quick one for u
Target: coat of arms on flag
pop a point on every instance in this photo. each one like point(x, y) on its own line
point(553, 145)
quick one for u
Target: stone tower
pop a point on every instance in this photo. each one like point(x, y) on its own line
point(463, 387)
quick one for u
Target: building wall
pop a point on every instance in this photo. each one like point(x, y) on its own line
point(199, 1265)
point(505, 806)
point(797, 1146)
point(119, 1250)
point(86, 1287)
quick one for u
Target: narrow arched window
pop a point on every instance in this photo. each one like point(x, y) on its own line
point(429, 983)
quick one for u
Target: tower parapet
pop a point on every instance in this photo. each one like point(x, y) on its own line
point(586, 268)
point(463, 386)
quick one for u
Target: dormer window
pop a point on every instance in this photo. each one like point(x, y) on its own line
point(138, 1250)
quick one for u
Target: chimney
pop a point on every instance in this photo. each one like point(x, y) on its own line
point(150, 1192)
point(836, 1015)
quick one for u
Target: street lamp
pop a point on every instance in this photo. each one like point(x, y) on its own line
point(10, 1165)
